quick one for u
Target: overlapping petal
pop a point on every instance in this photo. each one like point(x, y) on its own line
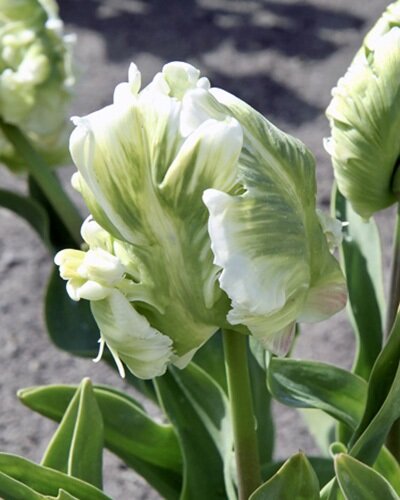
point(364, 119)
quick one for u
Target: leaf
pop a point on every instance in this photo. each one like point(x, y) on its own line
point(389, 468)
point(210, 358)
point(323, 467)
point(31, 211)
point(383, 401)
point(321, 427)
point(77, 446)
point(296, 479)
point(362, 262)
point(310, 384)
point(149, 448)
point(203, 470)
point(41, 480)
point(357, 480)
point(212, 407)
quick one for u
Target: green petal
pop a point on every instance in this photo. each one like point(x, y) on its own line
point(144, 350)
point(364, 122)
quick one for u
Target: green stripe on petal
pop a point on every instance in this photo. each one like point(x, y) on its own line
point(128, 334)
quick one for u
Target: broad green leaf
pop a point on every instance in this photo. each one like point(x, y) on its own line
point(389, 468)
point(72, 328)
point(383, 401)
point(310, 384)
point(149, 448)
point(296, 479)
point(323, 468)
point(11, 489)
point(210, 358)
point(212, 407)
point(77, 446)
point(43, 480)
point(203, 469)
point(358, 481)
point(362, 263)
point(31, 211)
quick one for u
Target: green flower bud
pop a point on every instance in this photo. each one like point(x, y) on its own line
point(210, 211)
point(364, 118)
point(35, 77)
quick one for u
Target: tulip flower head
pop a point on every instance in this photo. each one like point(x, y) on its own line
point(364, 118)
point(35, 77)
point(203, 217)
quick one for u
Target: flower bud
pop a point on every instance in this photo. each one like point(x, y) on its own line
point(364, 118)
point(210, 211)
point(35, 76)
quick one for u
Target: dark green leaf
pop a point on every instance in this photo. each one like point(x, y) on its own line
point(149, 448)
point(212, 407)
point(203, 469)
point(31, 211)
point(77, 446)
point(44, 480)
point(362, 262)
point(310, 384)
point(358, 481)
point(389, 468)
point(296, 479)
point(383, 401)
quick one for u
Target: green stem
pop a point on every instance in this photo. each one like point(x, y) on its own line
point(243, 419)
point(393, 439)
point(45, 178)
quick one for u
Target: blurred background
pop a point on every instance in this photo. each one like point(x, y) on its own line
point(283, 57)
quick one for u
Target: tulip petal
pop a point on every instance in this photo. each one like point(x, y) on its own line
point(143, 349)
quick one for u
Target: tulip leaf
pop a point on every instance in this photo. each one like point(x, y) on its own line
point(149, 448)
point(41, 480)
point(295, 479)
point(203, 468)
point(29, 209)
point(311, 384)
point(210, 358)
point(389, 468)
point(357, 480)
point(322, 466)
point(362, 263)
point(212, 407)
point(383, 401)
point(77, 446)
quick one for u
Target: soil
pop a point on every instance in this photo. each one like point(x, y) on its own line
point(281, 56)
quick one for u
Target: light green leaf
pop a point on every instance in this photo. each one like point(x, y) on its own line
point(389, 468)
point(42, 480)
point(77, 446)
point(323, 467)
point(149, 448)
point(358, 481)
point(296, 479)
point(362, 262)
point(310, 384)
point(30, 210)
point(203, 468)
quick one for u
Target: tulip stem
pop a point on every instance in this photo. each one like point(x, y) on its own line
point(243, 420)
point(46, 180)
point(393, 439)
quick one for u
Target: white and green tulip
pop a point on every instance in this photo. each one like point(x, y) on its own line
point(364, 115)
point(35, 77)
point(204, 218)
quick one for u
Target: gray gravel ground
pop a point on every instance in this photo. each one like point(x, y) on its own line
point(283, 57)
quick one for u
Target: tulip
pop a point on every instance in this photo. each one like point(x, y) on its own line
point(204, 218)
point(365, 119)
point(35, 78)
